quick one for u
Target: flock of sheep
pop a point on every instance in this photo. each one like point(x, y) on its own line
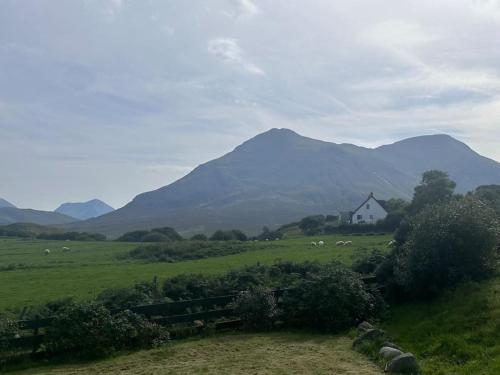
point(64, 249)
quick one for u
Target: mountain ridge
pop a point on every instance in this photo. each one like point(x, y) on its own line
point(279, 176)
point(84, 210)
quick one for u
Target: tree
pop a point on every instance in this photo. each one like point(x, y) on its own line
point(489, 194)
point(435, 187)
point(312, 225)
point(199, 237)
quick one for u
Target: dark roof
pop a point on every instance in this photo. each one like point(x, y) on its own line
point(382, 203)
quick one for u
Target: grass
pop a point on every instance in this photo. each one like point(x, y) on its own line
point(274, 353)
point(90, 267)
point(459, 333)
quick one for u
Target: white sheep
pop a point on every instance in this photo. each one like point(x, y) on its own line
point(65, 249)
point(339, 243)
point(46, 251)
point(321, 243)
point(391, 243)
point(347, 243)
point(313, 244)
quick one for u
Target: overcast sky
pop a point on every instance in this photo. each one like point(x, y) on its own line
point(110, 98)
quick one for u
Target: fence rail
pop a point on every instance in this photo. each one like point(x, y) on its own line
point(189, 311)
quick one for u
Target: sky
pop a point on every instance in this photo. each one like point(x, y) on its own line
point(110, 98)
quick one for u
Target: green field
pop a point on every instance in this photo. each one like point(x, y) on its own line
point(90, 267)
point(456, 334)
point(277, 353)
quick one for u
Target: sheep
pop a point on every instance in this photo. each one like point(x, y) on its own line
point(313, 244)
point(46, 251)
point(347, 243)
point(321, 243)
point(391, 243)
point(339, 243)
point(65, 249)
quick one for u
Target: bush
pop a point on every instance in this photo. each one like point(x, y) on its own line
point(124, 298)
point(8, 331)
point(447, 243)
point(73, 236)
point(134, 236)
point(199, 237)
point(257, 308)
point(333, 300)
point(90, 331)
point(228, 235)
point(155, 237)
point(170, 233)
point(369, 264)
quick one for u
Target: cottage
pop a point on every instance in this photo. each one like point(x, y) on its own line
point(369, 212)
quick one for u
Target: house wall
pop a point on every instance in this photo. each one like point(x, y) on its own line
point(370, 212)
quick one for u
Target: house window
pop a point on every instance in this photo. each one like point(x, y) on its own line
point(368, 206)
point(359, 217)
point(371, 217)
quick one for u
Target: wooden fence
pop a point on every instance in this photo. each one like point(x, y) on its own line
point(209, 309)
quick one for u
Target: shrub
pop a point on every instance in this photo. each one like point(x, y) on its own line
point(332, 301)
point(257, 308)
point(447, 243)
point(369, 263)
point(8, 331)
point(155, 237)
point(124, 298)
point(134, 236)
point(199, 237)
point(170, 233)
point(228, 235)
point(90, 331)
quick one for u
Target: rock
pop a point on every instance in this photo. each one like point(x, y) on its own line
point(369, 335)
point(404, 363)
point(389, 353)
point(391, 345)
point(364, 326)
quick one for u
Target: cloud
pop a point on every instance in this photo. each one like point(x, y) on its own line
point(111, 91)
point(229, 52)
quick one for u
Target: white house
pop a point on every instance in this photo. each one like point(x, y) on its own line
point(369, 212)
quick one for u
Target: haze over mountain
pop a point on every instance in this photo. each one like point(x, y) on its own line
point(85, 210)
point(4, 203)
point(279, 176)
point(10, 215)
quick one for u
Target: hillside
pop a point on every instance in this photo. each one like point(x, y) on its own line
point(4, 203)
point(10, 215)
point(279, 176)
point(85, 210)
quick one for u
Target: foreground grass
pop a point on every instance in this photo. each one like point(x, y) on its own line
point(91, 267)
point(459, 333)
point(275, 353)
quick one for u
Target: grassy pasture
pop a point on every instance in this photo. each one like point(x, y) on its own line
point(456, 334)
point(272, 354)
point(93, 266)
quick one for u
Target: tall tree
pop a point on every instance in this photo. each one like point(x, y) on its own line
point(435, 187)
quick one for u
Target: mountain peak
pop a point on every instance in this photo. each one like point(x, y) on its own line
point(85, 210)
point(5, 203)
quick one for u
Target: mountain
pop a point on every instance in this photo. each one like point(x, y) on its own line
point(10, 215)
point(4, 203)
point(85, 210)
point(280, 176)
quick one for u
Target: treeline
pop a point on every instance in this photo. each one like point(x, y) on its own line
point(21, 231)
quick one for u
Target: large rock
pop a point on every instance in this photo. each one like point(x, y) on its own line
point(404, 363)
point(369, 335)
point(389, 353)
point(364, 326)
point(391, 345)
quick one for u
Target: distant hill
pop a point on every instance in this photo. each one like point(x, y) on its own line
point(279, 176)
point(10, 215)
point(85, 210)
point(4, 203)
